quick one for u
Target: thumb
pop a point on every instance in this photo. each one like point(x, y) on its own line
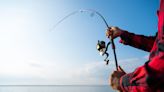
point(120, 69)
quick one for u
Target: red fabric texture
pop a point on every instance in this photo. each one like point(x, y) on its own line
point(161, 5)
point(149, 77)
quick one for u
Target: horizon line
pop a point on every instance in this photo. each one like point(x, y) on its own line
point(57, 85)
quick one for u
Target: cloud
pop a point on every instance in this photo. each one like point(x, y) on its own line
point(130, 64)
point(98, 73)
point(57, 73)
point(91, 73)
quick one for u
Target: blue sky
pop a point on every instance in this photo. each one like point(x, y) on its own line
point(31, 54)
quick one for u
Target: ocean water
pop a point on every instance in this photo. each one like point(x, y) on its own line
point(56, 89)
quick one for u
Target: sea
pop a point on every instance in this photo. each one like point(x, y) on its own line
point(57, 88)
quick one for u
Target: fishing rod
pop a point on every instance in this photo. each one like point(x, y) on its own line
point(101, 46)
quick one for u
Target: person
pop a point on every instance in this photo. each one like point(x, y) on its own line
point(150, 76)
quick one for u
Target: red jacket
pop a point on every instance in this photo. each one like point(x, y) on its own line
point(149, 77)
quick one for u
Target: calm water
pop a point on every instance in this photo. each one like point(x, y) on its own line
point(55, 89)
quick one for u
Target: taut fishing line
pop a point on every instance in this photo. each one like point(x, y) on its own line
point(101, 46)
point(80, 11)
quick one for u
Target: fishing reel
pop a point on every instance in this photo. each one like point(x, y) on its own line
point(102, 48)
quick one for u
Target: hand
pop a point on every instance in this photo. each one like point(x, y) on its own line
point(114, 32)
point(115, 78)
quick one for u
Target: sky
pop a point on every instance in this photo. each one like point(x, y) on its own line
point(31, 54)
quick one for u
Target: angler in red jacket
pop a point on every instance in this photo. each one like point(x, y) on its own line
point(150, 76)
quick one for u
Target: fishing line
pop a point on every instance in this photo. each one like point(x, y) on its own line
point(92, 14)
point(80, 11)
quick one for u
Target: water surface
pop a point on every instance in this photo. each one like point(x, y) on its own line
point(55, 88)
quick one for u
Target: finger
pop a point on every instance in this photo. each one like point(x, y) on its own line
point(109, 33)
point(111, 81)
point(112, 27)
point(108, 28)
point(114, 73)
point(120, 69)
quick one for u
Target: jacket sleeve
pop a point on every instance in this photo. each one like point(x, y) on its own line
point(149, 77)
point(138, 41)
point(135, 81)
point(125, 82)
